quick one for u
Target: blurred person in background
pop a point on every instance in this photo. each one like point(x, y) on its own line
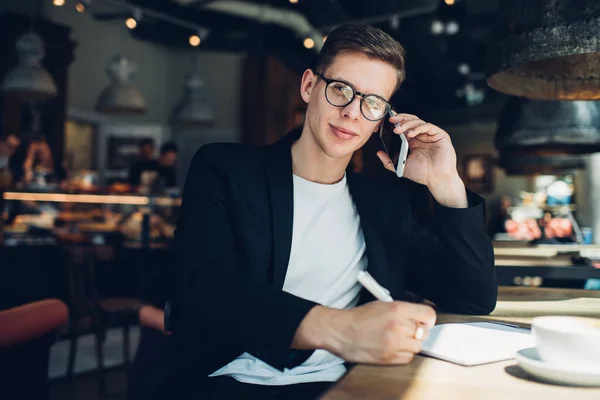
point(9, 143)
point(144, 169)
point(149, 174)
point(167, 162)
point(40, 166)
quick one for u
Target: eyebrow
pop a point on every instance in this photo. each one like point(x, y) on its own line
point(336, 78)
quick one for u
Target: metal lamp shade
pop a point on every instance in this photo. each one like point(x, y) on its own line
point(534, 164)
point(28, 79)
point(194, 110)
point(548, 127)
point(121, 97)
point(547, 49)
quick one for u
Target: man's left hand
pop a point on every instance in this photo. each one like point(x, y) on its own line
point(431, 161)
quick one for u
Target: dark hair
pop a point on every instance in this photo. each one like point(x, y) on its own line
point(167, 147)
point(146, 142)
point(363, 39)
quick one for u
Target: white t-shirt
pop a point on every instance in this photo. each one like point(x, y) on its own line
point(328, 250)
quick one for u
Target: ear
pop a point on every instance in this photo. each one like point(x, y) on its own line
point(309, 80)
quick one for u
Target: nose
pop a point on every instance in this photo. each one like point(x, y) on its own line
point(352, 110)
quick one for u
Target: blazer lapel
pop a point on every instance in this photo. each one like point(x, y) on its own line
point(377, 262)
point(281, 193)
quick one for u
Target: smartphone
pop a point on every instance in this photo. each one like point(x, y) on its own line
point(396, 146)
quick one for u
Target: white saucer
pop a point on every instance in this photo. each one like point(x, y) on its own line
point(530, 361)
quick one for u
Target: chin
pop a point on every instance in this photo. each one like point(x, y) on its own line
point(340, 150)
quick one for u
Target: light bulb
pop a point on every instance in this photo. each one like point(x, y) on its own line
point(464, 69)
point(58, 3)
point(131, 23)
point(309, 43)
point(195, 40)
point(452, 27)
point(449, 2)
point(437, 27)
point(80, 7)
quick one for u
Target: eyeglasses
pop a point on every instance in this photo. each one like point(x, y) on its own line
point(340, 94)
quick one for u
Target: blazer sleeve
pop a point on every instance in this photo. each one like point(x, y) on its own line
point(454, 268)
point(213, 297)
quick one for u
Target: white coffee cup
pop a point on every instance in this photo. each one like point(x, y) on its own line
point(570, 342)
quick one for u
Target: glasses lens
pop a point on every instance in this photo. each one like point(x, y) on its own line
point(339, 94)
point(374, 108)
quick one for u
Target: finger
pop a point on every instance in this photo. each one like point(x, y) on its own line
point(423, 138)
point(411, 345)
point(418, 312)
point(420, 332)
point(401, 358)
point(407, 116)
point(426, 128)
point(402, 328)
point(406, 125)
point(386, 160)
point(403, 118)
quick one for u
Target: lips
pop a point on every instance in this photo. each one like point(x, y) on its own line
point(342, 133)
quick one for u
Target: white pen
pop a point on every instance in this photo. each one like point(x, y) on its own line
point(382, 294)
point(373, 287)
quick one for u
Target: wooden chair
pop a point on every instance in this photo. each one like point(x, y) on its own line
point(95, 314)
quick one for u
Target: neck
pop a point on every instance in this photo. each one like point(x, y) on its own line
point(311, 163)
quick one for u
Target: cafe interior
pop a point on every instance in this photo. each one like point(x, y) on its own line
point(105, 102)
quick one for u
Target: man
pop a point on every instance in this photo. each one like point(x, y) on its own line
point(9, 143)
point(145, 163)
point(146, 171)
point(270, 241)
point(166, 164)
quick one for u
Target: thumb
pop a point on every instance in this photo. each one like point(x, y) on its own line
point(386, 160)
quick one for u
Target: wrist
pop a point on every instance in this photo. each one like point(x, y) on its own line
point(319, 329)
point(449, 192)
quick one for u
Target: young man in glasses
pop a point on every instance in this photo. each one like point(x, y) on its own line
point(271, 239)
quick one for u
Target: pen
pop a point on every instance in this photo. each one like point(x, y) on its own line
point(373, 287)
point(383, 294)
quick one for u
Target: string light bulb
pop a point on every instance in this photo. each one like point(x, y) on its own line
point(293, 1)
point(80, 7)
point(195, 40)
point(131, 23)
point(449, 2)
point(309, 43)
point(58, 3)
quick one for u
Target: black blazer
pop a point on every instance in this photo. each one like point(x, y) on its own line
point(233, 243)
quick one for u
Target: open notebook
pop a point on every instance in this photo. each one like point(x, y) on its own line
point(476, 342)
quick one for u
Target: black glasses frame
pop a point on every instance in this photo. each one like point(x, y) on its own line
point(355, 92)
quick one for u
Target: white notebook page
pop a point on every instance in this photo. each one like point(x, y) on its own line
point(476, 342)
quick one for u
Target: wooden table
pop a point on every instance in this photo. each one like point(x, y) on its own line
point(427, 378)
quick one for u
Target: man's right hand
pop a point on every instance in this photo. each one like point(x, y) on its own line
point(375, 333)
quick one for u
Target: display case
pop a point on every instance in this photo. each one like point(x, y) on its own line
point(129, 219)
point(128, 237)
